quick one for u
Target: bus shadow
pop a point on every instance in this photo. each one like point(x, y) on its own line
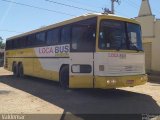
point(85, 101)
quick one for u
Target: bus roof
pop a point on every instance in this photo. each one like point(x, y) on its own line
point(75, 19)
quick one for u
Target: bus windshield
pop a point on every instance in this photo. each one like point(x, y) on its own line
point(119, 35)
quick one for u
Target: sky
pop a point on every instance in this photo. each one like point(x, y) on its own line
point(16, 19)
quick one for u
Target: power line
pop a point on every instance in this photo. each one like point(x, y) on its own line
point(4, 30)
point(71, 6)
point(134, 5)
point(36, 7)
point(77, 2)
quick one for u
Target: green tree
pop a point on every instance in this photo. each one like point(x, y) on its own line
point(2, 45)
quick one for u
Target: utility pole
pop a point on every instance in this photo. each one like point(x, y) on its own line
point(112, 5)
point(112, 11)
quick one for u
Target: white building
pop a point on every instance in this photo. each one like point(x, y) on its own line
point(151, 36)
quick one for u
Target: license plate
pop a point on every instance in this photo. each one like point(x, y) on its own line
point(130, 81)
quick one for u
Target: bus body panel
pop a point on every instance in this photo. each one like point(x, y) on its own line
point(109, 68)
point(119, 81)
point(50, 59)
point(119, 64)
point(81, 79)
point(46, 66)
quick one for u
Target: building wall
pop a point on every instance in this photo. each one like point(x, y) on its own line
point(147, 23)
point(151, 41)
point(147, 26)
point(156, 48)
point(151, 37)
point(148, 55)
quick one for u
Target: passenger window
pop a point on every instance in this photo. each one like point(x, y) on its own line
point(83, 36)
point(40, 38)
point(53, 36)
point(31, 40)
point(9, 44)
point(22, 42)
point(66, 34)
point(15, 43)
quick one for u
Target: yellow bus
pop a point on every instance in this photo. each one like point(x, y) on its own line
point(90, 51)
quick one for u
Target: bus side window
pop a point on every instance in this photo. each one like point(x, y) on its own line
point(15, 43)
point(66, 34)
point(31, 40)
point(9, 45)
point(53, 36)
point(22, 42)
point(40, 38)
point(83, 38)
point(18, 45)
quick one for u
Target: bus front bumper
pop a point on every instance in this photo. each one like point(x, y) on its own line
point(120, 81)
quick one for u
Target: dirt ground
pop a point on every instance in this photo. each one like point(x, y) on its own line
point(38, 96)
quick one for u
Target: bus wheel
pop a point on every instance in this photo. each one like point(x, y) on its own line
point(64, 77)
point(21, 72)
point(15, 70)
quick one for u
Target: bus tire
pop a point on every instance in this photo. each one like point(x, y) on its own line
point(21, 71)
point(64, 77)
point(15, 70)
